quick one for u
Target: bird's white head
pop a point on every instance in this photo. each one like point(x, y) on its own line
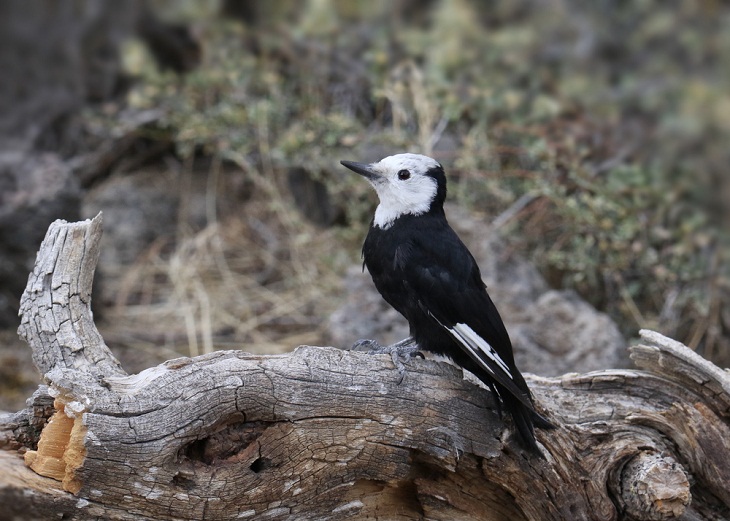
point(405, 183)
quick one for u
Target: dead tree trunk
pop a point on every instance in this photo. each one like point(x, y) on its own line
point(323, 433)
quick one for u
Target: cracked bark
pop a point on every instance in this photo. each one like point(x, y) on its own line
point(322, 433)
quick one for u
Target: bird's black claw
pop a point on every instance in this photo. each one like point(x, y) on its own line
point(399, 352)
point(367, 346)
point(404, 349)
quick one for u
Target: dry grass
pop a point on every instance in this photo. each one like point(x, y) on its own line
point(262, 280)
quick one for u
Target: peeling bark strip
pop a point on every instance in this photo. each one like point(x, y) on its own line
point(323, 433)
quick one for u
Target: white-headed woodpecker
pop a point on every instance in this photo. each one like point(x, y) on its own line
point(421, 268)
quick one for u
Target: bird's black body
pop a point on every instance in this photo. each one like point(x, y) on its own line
point(421, 268)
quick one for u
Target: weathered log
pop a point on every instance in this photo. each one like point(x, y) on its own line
point(323, 433)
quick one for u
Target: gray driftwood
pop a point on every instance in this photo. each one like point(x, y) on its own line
point(323, 433)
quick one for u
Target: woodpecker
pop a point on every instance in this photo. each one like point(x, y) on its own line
point(422, 269)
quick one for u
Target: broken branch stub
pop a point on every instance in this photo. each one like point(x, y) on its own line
point(55, 309)
point(322, 433)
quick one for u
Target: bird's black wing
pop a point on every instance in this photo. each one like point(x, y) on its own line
point(445, 280)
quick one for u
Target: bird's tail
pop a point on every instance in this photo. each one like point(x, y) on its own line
point(526, 419)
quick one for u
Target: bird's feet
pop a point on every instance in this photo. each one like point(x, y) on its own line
point(400, 352)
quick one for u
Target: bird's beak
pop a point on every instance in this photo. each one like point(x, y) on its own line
point(363, 169)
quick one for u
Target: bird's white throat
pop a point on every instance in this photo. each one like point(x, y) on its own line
point(386, 213)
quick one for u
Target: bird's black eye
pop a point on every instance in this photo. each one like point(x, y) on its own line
point(403, 175)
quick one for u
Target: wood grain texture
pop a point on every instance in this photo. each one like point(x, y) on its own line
point(323, 433)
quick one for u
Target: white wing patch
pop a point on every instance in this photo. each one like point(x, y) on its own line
point(467, 337)
point(476, 345)
point(473, 342)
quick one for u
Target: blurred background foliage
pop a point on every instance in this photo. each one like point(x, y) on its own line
point(592, 137)
point(600, 128)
